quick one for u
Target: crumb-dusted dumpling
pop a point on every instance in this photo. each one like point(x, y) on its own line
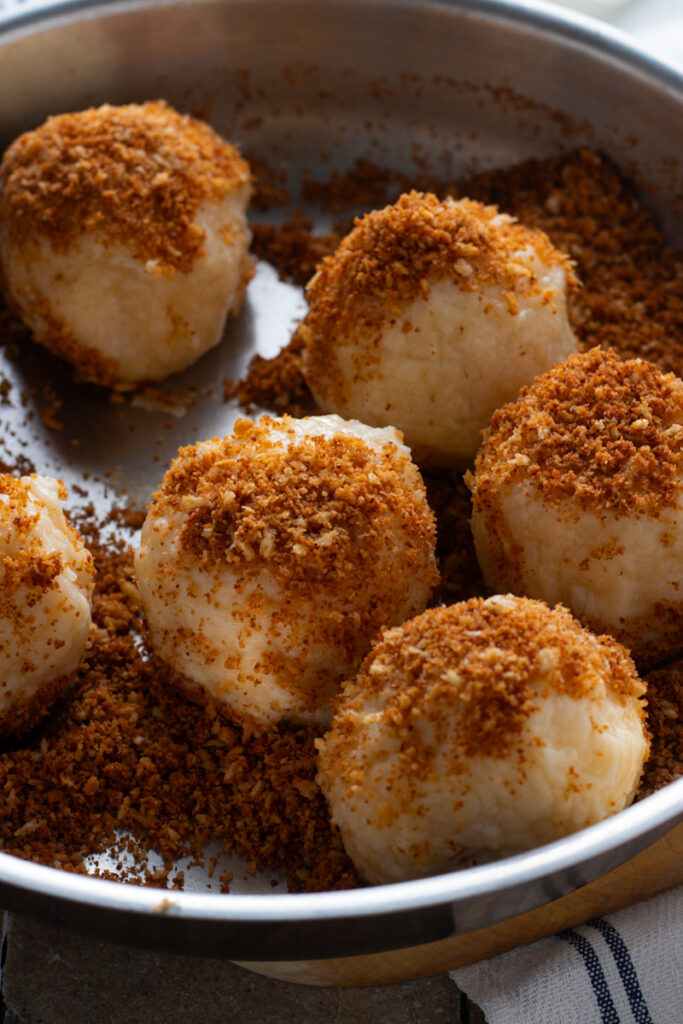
point(480, 730)
point(432, 314)
point(123, 238)
point(578, 498)
point(46, 583)
point(270, 558)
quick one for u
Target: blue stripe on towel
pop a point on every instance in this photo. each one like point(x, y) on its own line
point(627, 971)
point(608, 1013)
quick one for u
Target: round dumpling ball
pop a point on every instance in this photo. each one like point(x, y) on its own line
point(46, 583)
point(432, 314)
point(477, 731)
point(123, 238)
point(578, 498)
point(270, 558)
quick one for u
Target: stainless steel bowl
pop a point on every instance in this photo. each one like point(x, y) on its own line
point(456, 86)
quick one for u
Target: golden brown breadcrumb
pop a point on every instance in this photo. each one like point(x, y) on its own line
point(665, 715)
point(27, 573)
point(599, 431)
point(322, 537)
point(393, 255)
point(310, 507)
point(133, 174)
point(485, 663)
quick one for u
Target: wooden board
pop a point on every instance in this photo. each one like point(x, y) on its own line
point(657, 868)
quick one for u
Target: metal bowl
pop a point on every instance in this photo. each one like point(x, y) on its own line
point(454, 86)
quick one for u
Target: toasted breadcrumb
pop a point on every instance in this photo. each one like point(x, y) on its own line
point(330, 493)
point(599, 431)
point(135, 173)
point(480, 728)
point(392, 257)
point(488, 661)
point(665, 714)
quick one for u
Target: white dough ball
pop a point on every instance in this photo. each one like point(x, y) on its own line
point(432, 314)
point(123, 238)
point(46, 583)
point(478, 731)
point(270, 558)
point(578, 498)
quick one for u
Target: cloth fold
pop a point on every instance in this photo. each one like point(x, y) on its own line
point(626, 968)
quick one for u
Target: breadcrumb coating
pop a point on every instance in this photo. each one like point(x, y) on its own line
point(478, 730)
point(577, 497)
point(136, 174)
point(310, 512)
point(123, 239)
point(599, 431)
point(393, 255)
point(271, 557)
point(484, 657)
point(46, 579)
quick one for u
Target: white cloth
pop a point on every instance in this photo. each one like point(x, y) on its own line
point(626, 968)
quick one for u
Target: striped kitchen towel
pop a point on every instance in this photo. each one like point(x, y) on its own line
point(623, 969)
